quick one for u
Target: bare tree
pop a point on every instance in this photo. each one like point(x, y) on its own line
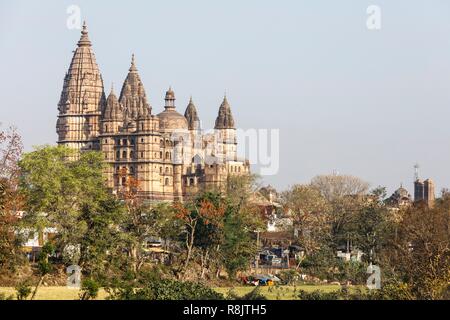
point(310, 212)
point(10, 150)
point(336, 186)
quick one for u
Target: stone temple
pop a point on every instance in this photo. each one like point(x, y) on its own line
point(168, 153)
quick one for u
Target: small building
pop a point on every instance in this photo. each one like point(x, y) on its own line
point(400, 198)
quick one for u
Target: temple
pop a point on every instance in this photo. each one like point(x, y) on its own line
point(167, 154)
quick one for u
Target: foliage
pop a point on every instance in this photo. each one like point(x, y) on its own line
point(239, 246)
point(10, 240)
point(10, 151)
point(390, 292)
point(310, 211)
point(321, 263)
point(337, 186)
point(167, 289)
point(319, 295)
point(89, 289)
point(101, 246)
point(10, 200)
point(71, 196)
point(62, 189)
point(418, 252)
point(253, 295)
point(288, 277)
point(23, 290)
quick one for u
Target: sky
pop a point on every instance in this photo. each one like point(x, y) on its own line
point(345, 99)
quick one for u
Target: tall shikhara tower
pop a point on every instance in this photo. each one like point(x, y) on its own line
point(167, 153)
point(82, 99)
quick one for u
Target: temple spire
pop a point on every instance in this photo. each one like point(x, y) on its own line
point(170, 99)
point(191, 116)
point(84, 40)
point(133, 64)
point(224, 119)
point(132, 96)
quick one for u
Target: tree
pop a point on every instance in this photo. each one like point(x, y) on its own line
point(10, 239)
point(44, 266)
point(11, 201)
point(371, 227)
point(310, 211)
point(336, 186)
point(346, 195)
point(101, 244)
point(239, 246)
point(71, 196)
point(10, 151)
point(205, 209)
point(142, 221)
point(418, 254)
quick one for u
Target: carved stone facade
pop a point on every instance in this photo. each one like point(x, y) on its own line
point(168, 153)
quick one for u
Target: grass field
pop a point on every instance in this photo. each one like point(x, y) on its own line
point(272, 293)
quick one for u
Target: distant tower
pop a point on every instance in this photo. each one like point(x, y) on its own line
point(416, 171)
point(428, 193)
point(82, 99)
point(418, 185)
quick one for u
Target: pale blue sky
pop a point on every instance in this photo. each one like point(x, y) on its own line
point(367, 103)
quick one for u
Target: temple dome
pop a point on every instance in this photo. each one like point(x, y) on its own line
point(170, 119)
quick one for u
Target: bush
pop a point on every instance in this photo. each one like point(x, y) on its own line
point(388, 292)
point(255, 294)
point(89, 289)
point(166, 289)
point(288, 277)
point(23, 290)
point(319, 295)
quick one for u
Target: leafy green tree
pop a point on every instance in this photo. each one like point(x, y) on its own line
point(71, 196)
point(239, 244)
point(201, 220)
point(101, 246)
point(44, 265)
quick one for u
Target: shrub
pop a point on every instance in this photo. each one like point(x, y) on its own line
point(23, 290)
point(166, 289)
point(89, 289)
point(255, 294)
point(288, 277)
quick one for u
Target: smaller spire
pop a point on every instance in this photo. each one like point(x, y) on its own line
point(224, 119)
point(170, 99)
point(112, 87)
point(191, 116)
point(133, 64)
point(84, 40)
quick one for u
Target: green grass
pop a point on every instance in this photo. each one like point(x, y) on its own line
point(272, 293)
